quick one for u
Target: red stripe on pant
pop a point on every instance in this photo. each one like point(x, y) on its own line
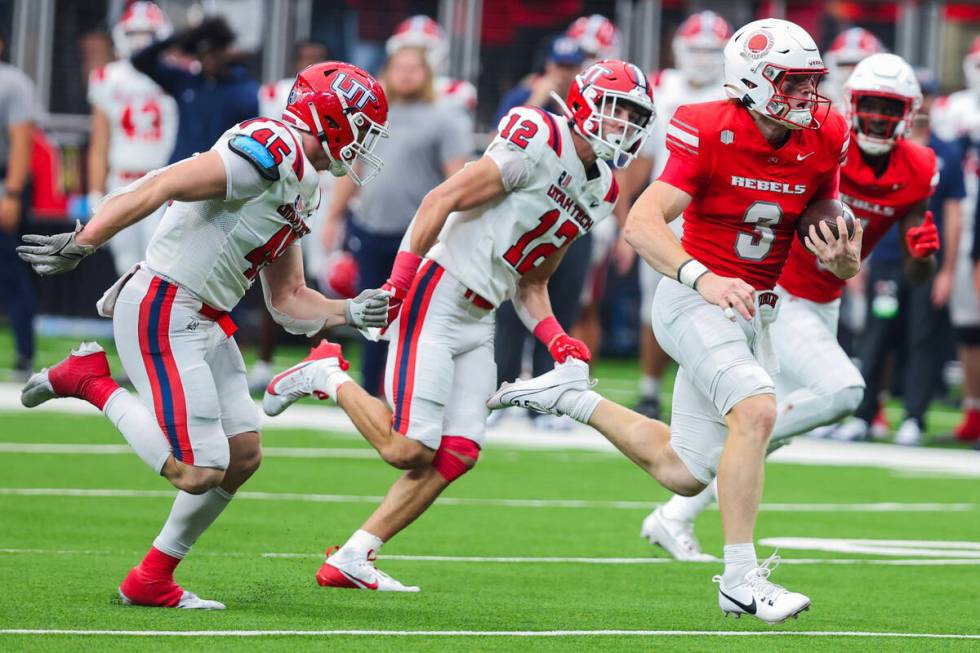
point(176, 387)
point(411, 341)
point(148, 364)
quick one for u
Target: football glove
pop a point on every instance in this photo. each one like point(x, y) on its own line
point(923, 240)
point(398, 284)
point(564, 347)
point(369, 309)
point(54, 254)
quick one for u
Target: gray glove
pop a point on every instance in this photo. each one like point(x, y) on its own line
point(54, 254)
point(369, 309)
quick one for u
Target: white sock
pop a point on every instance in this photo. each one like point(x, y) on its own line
point(190, 516)
point(360, 544)
point(740, 559)
point(649, 386)
point(688, 508)
point(328, 379)
point(579, 405)
point(140, 428)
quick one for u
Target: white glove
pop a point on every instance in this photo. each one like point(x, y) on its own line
point(54, 254)
point(369, 309)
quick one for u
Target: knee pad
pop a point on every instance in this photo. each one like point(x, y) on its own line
point(447, 463)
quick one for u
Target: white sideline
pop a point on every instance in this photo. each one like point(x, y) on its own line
point(518, 433)
point(125, 449)
point(508, 503)
point(483, 633)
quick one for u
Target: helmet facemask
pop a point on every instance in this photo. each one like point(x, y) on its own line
point(879, 119)
point(700, 65)
point(795, 101)
point(359, 153)
point(617, 126)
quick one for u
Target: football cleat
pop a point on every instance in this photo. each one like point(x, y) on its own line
point(909, 434)
point(854, 429)
point(760, 597)
point(357, 574)
point(137, 590)
point(298, 381)
point(553, 393)
point(649, 407)
point(675, 536)
point(969, 429)
point(84, 375)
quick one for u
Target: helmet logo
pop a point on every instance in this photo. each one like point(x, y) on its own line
point(293, 95)
point(758, 44)
point(356, 93)
point(594, 72)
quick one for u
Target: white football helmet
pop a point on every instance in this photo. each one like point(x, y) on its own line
point(878, 124)
point(773, 67)
point(141, 24)
point(971, 66)
point(698, 46)
point(846, 50)
point(421, 32)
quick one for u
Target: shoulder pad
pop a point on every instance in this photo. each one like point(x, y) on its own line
point(532, 129)
point(257, 154)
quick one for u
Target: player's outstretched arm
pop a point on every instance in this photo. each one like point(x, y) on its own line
point(199, 178)
point(920, 244)
point(533, 306)
point(647, 232)
point(301, 310)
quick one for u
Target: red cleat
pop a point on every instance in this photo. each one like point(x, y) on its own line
point(151, 584)
point(84, 374)
point(298, 381)
point(969, 428)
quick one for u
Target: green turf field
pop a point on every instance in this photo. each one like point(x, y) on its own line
point(62, 556)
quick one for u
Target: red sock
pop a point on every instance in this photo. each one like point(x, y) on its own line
point(157, 565)
point(152, 581)
point(98, 391)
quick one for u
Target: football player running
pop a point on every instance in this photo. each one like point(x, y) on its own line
point(236, 213)
point(494, 231)
point(742, 170)
point(887, 179)
point(134, 125)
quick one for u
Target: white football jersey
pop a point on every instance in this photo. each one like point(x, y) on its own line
point(551, 201)
point(671, 89)
point(142, 118)
point(215, 248)
point(273, 96)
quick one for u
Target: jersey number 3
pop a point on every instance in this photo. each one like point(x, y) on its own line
point(524, 258)
point(757, 245)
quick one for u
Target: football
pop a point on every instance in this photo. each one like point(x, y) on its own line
point(825, 211)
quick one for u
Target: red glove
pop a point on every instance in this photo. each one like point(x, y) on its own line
point(402, 275)
point(923, 240)
point(560, 345)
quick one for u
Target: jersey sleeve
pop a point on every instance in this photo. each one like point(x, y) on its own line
point(243, 180)
point(685, 168)
point(523, 136)
point(97, 88)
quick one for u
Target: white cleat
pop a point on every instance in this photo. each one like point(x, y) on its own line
point(291, 385)
point(188, 601)
point(357, 573)
point(760, 597)
point(675, 536)
point(909, 434)
point(553, 392)
point(854, 429)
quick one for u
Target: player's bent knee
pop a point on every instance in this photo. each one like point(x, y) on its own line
point(754, 417)
point(198, 480)
point(455, 456)
point(405, 453)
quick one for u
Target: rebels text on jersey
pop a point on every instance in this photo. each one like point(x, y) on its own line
point(551, 200)
point(747, 195)
point(216, 248)
point(879, 202)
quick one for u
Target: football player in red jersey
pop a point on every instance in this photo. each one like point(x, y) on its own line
point(742, 170)
point(887, 180)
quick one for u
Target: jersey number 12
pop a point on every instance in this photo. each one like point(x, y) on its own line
point(524, 258)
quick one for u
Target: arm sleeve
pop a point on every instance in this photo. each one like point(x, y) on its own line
point(243, 180)
point(685, 161)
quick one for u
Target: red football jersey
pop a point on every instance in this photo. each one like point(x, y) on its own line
point(879, 202)
point(747, 195)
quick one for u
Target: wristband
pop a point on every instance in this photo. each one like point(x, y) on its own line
point(547, 330)
point(690, 271)
point(404, 269)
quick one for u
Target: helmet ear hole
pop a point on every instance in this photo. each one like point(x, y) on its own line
point(333, 124)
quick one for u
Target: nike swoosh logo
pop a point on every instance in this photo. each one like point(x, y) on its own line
point(800, 157)
point(748, 608)
point(276, 379)
point(373, 586)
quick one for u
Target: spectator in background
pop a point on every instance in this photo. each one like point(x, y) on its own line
point(212, 94)
point(272, 101)
point(428, 143)
point(563, 62)
point(17, 113)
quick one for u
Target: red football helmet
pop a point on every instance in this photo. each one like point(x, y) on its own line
point(846, 50)
point(139, 25)
point(596, 103)
point(346, 109)
point(420, 32)
point(596, 36)
point(698, 46)
point(340, 275)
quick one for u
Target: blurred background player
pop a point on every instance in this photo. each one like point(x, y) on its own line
point(272, 101)
point(428, 143)
point(233, 216)
point(134, 125)
point(492, 232)
point(887, 181)
point(957, 118)
point(698, 76)
point(848, 48)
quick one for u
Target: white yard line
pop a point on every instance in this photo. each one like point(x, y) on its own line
point(125, 449)
point(483, 633)
point(507, 503)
